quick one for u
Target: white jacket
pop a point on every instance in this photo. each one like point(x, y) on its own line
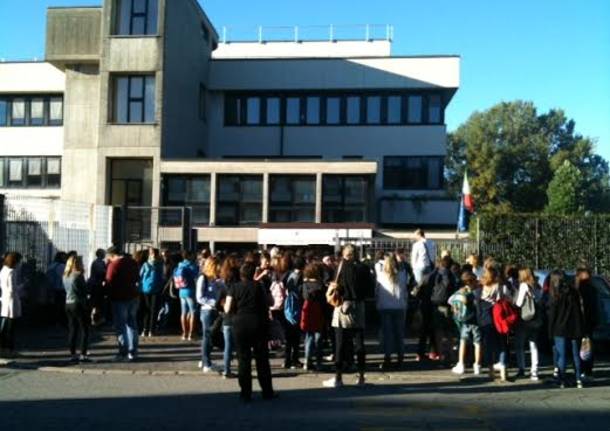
point(11, 304)
point(423, 254)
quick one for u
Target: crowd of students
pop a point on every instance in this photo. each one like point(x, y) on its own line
point(275, 300)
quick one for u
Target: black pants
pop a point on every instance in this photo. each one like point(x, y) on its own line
point(78, 326)
point(7, 333)
point(149, 311)
point(293, 340)
point(426, 334)
point(345, 339)
point(250, 336)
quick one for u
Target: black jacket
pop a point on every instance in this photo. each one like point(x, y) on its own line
point(565, 315)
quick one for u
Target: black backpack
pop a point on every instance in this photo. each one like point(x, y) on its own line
point(443, 288)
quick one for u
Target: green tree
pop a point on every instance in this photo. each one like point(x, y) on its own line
point(566, 192)
point(512, 152)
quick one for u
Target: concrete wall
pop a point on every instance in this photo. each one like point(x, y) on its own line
point(73, 34)
point(31, 77)
point(31, 141)
point(337, 74)
point(185, 68)
point(339, 49)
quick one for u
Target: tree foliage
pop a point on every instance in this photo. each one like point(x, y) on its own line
point(566, 191)
point(512, 152)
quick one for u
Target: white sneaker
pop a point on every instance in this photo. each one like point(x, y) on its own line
point(131, 357)
point(200, 364)
point(476, 369)
point(210, 369)
point(458, 369)
point(534, 375)
point(329, 358)
point(332, 383)
point(498, 366)
point(360, 381)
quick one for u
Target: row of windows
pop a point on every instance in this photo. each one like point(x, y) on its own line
point(413, 173)
point(333, 109)
point(30, 172)
point(31, 110)
point(291, 198)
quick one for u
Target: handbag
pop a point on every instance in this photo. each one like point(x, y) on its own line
point(586, 349)
point(528, 309)
point(334, 294)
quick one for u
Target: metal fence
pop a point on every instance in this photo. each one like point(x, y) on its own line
point(37, 228)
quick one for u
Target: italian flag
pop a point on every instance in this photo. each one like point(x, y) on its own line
point(467, 199)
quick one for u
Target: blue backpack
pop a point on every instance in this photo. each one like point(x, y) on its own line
point(292, 307)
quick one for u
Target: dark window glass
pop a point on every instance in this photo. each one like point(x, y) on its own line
point(134, 99)
point(345, 198)
point(313, 110)
point(136, 17)
point(415, 109)
point(187, 191)
point(394, 109)
point(353, 110)
point(413, 173)
point(18, 112)
point(3, 112)
point(239, 200)
point(373, 109)
point(53, 172)
point(292, 198)
point(34, 172)
point(253, 109)
point(434, 109)
point(273, 110)
point(232, 111)
point(333, 110)
point(293, 110)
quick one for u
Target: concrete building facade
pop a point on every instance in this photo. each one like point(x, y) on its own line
point(305, 138)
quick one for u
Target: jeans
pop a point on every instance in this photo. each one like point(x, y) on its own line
point(561, 346)
point(345, 339)
point(7, 333)
point(207, 320)
point(149, 301)
point(124, 317)
point(426, 335)
point(313, 346)
point(393, 330)
point(78, 325)
point(293, 340)
point(523, 334)
point(227, 332)
point(493, 346)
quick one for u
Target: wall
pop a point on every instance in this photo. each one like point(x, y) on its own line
point(377, 48)
point(31, 77)
point(73, 34)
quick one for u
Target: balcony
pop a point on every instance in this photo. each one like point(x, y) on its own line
point(73, 35)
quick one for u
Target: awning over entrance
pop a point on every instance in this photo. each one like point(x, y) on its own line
point(301, 234)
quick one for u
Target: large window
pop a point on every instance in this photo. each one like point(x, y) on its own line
point(187, 191)
point(292, 198)
point(30, 172)
point(136, 17)
point(31, 110)
point(239, 200)
point(345, 198)
point(325, 108)
point(134, 99)
point(413, 173)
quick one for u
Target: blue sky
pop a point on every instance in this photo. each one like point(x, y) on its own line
point(553, 52)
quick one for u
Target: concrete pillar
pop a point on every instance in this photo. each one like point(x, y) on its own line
point(213, 199)
point(319, 197)
point(265, 215)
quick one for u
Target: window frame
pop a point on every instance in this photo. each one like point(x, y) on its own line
point(342, 206)
point(114, 120)
point(196, 206)
point(132, 15)
point(240, 204)
point(389, 183)
point(24, 183)
point(291, 206)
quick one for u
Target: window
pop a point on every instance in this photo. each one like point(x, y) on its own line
point(434, 109)
point(2, 181)
point(394, 109)
point(415, 110)
point(187, 191)
point(413, 173)
point(15, 172)
point(202, 103)
point(353, 110)
point(313, 110)
point(345, 198)
point(233, 114)
point(273, 110)
point(333, 110)
point(253, 110)
point(239, 200)
point(292, 198)
point(373, 110)
point(134, 99)
point(56, 111)
point(3, 112)
point(136, 17)
point(53, 172)
point(18, 112)
point(37, 111)
point(293, 110)
point(30, 172)
point(34, 175)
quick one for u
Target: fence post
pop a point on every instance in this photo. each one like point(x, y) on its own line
point(595, 251)
point(479, 237)
point(537, 244)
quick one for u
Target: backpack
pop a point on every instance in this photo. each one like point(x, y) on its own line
point(442, 289)
point(528, 309)
point(278, 293)
point(505, 316)
point(292, 308)
point(181, 278)
point(459, 308)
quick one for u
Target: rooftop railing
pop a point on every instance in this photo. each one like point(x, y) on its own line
point(312, 33)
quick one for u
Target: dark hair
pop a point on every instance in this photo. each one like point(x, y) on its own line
point(299, 263)
point(379, 255)
point(284, 264)
point(420, 232)
point(446, 262)
point(11, 260)
point(100, 253)
point(558, 284)
point(246, 272)
point(469, 279)
point(511, 271)
point(313, 271)
point(229, 271)
point(113, 250)
point(467, 268)
point(188, 255)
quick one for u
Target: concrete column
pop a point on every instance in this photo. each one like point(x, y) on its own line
point(319, 197)
point(265, 215)
point(213, 199)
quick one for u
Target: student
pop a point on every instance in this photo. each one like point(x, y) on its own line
point(391, 299)
point(151, 283)
point(10, 308)
point(97, 273)
point(229, 274)
point(527, 330)
point(77, 308)
point(423, 256)
point(465, 315)
point(292, 308)
point(184, 278)
point(590, 308)
point(312, 317)
point(207, 293)
point(248, 302)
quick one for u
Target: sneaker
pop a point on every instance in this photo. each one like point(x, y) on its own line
point(534, 376)
point(119, 358)
point(227, 375)
point(498, 366)
point(150, 334)
point(360, 381)
point(329, 358)
point(419, 358)
point(131, 357)
point(555, 373)
point(183, 337)
point(434, 357)
point(200, 364)
point(332, 383)
point(579, 384)
point(520, 373)
point(458, 369)
point(476, 369)
point(210, 369)
point(74, 358)
point(84, 358)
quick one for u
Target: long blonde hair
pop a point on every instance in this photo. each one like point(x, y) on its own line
point(391, 268)
point(74, 264)
point(526, 276)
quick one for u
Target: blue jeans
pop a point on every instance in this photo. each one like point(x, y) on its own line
point(493, 346)
point(313, 346)
point(393, 330)
point(124, 318)
point(207, 320)
point(560, 349)
point(227, 332)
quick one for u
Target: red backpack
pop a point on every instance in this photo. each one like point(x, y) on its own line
point(505, 316)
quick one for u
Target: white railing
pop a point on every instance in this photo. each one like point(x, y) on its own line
point(312, 33)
